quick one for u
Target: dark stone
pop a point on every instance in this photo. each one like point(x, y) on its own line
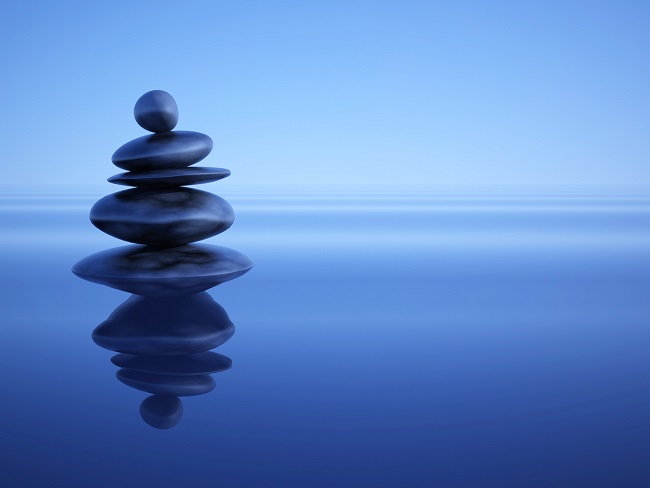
point(201, 363)
point(163, 272)
point(167, 326)
point(170, 177)
point(156, 111)
point(177, 149)
point(167, 384)
point(163, 217)
point(161, 411)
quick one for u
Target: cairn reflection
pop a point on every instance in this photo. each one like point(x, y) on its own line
point(164, 331)
point(165, 326)
point(164, 345)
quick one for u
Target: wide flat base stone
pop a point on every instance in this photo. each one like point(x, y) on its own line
point(150, 271)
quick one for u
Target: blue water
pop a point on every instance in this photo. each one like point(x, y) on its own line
point(417, 339)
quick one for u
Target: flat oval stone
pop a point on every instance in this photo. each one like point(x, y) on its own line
point(156, 111)
point(163, 272)
point(168, 326)
point(175, 149)
point(161, 411)
point(170, 177)
point(164, 217)
point(200, 363)
point(161, 384)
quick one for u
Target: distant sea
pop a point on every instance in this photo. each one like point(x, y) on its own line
point(416, 337)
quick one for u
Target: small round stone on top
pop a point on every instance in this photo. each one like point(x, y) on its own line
point(156, 111)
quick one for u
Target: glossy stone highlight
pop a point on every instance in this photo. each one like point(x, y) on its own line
point(170, 177)
point(165, 217)
point(177, 149)
point(156, 111)
point(151, 271)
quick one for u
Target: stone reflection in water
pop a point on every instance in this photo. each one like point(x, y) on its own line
point(161, 411)
point(164, 345)
point(165, 326)
point(165, 330)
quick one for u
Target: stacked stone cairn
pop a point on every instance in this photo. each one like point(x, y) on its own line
point(165, 330)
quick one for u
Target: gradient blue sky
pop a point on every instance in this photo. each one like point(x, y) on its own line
point(454, 92)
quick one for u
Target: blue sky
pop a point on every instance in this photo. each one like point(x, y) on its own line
point(452, 92)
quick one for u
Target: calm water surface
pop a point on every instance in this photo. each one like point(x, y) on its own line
point(447, 339)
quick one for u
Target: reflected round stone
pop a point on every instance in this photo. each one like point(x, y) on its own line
point(201, 363)
point(177, 149)
point(150, 271)
point(161, 411)
point(161, 384)
point(156, 111)
point(164, 217)
point(168, 326)
point(170, 177)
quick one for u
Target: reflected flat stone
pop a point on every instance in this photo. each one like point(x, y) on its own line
point(201, 363)
point(168, 326)
point(163, 217)
point(163, 272)
point(161, 411)
point(170, 177)
point(166, 384)
point(174, 149)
